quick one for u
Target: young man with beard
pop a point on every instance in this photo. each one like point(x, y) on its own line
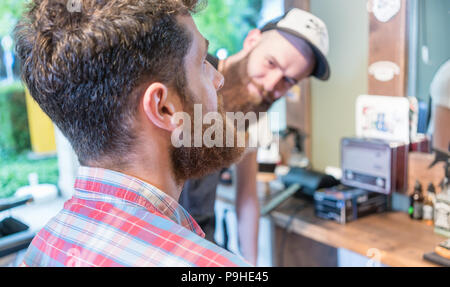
point(112, 77)
point(273, 59)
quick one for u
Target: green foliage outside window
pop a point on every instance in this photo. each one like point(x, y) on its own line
point(14, 135)
point(10, 12)
point(225, 23)
point(15, 144)
point(14, 172)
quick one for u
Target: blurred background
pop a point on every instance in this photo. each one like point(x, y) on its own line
point(33, 151)
point(27, 143)
point(28, 139)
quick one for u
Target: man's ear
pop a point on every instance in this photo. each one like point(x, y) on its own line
point(159, 106)
point(252, 39)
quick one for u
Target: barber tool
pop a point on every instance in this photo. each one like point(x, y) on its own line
point(309, 180)
point(279, 198)
point(299, 182)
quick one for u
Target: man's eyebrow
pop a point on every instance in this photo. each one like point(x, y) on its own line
point(291, 80)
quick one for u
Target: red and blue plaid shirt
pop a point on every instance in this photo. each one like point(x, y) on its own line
point(117, 220)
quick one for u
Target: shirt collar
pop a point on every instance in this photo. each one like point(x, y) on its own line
point(122, 187)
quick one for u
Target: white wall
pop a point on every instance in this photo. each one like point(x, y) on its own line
point(333, 102)
point(67, 164)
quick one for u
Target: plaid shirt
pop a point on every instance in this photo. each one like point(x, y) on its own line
point(118, 220)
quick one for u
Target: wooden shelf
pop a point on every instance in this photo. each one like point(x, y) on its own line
point(400, 240)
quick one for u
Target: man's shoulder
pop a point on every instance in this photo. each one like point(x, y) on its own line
point(118, 238)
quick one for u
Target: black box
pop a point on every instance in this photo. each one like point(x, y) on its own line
point(344, 204)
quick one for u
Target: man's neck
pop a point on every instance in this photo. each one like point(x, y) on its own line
point(158, 177)
point(153, 168)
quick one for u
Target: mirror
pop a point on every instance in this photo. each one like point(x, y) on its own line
point(429, 49)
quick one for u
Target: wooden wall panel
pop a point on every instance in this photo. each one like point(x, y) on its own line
point(388, 42)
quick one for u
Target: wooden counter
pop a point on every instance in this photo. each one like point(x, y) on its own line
point(400, 240)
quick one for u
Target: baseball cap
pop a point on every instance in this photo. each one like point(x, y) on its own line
point(297, 23)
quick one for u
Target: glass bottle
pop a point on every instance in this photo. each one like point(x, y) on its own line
point(416, 202)
point(428, 205)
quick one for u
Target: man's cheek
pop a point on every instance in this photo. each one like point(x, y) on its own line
point(212, 104)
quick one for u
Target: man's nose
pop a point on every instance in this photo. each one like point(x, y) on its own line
point(272, 80)
point(218, 80)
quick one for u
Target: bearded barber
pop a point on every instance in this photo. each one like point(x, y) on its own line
point(273, 59)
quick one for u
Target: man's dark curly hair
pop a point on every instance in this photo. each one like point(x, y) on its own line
point(85, 68)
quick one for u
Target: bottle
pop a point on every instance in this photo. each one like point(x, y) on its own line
point(428, 205)
point(416, 202)
point(442, 206)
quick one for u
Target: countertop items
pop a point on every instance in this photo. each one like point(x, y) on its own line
point(400, 241)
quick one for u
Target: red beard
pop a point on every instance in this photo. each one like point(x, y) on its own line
point(196, 162)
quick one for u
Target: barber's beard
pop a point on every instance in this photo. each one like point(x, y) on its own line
point(236, 95)
point(196, 162)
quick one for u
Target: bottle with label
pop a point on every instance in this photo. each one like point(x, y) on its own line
point(428, 205)
point(416, 202)
point(442, 207)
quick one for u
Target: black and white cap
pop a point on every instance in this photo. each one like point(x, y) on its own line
point(298, 23)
